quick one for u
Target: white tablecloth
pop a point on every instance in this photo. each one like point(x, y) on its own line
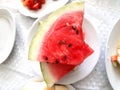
point(16, 70)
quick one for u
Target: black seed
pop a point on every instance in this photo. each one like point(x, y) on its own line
point(77, 32)
point(61, 42)
point(69, 45)
point(73, 27)
point(46, 58)
point(57, 61)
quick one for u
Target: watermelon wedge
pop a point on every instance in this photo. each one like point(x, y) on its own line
point(59, 44)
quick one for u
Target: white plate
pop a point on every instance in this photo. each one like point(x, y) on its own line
point(87, 66)
point(7, 33)
point(112, 72)
point(48, 7)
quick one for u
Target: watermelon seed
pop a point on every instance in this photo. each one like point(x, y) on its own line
point(69, 45)
point(74, 28)
point(46, 58)
point(77, 32)
point(57, 61)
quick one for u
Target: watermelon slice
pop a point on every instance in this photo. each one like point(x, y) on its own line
point(59, 44)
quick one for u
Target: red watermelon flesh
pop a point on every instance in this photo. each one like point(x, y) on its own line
point(64, 43)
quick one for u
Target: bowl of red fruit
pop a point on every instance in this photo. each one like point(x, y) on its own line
point(39, 8)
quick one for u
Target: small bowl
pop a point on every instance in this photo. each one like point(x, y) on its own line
point(48, 7)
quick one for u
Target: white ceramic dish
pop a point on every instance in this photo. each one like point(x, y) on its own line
point(112, 72)
point(48, 7)
point(7, 33)
point(87, 66)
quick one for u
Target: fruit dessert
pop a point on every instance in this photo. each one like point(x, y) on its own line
point(115, 59)
point(59, 44)
point(33, 4)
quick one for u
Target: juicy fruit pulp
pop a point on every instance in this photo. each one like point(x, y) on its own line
point(64, 42)
point(33, 4)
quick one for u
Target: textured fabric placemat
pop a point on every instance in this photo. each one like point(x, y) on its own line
point(16, 70)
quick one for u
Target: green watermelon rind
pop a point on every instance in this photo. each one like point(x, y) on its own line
point(42, 30)
point(46, 77)
point(47, 23)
